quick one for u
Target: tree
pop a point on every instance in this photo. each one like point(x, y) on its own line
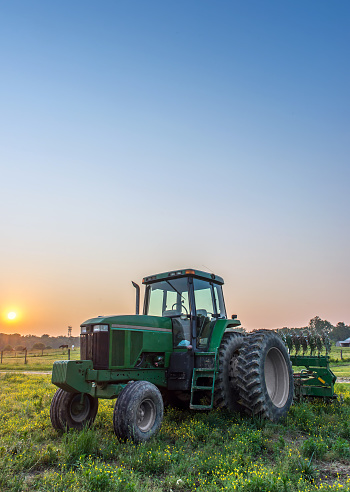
point(340, 332)
point(38, 346)
point(319, 325)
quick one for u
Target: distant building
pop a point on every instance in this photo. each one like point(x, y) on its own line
point(344, 343)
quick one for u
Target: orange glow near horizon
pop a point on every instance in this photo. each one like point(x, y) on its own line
point(11, 316)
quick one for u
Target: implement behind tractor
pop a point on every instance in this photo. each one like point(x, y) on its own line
point(313, 377)
point(316, 379)
point(183, 351)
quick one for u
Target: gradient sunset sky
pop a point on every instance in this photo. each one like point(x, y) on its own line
point(143, 136)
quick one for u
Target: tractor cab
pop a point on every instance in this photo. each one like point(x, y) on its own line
point(192, 299)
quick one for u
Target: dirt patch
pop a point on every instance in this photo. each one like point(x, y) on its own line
point(26, 372)
point(343, 380)
point(329, 472)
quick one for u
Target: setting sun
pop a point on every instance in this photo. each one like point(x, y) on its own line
point(11, 315)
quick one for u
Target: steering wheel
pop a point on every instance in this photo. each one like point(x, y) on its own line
point(179, 304)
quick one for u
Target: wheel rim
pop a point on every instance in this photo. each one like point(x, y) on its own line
point(146, 415)
point(79, 411)
point(232, 368)
point(277, 377)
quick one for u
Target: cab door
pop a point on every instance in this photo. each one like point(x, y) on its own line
point(208, 309)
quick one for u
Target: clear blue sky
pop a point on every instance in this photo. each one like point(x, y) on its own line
point(143, 136)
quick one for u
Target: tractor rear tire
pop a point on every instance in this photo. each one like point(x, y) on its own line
point(138, 412)
point(226, 394)
point(265, 376)
point(66, 411)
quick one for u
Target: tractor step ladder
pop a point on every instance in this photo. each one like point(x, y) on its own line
point(203, 372)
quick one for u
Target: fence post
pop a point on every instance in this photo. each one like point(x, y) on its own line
point(341, 354)
point(69, 354)
point(1, 355)
point(25, 356)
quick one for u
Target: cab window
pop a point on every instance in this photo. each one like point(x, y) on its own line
point(169, 298)
point(203, 294)
point(209, 307)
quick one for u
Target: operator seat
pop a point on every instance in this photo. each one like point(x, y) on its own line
point(178, 328)
point(168, 313)
point(203, 323)
point(202, 312)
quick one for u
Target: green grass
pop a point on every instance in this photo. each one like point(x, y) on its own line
point(206, 452)
point(341, 370)
point(336, 353)
point(35, 360)
point(340, 366)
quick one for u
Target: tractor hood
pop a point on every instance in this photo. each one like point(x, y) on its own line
point(117, 342)
point(134, 321)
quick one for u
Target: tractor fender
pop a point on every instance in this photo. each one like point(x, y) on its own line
point(219, 329)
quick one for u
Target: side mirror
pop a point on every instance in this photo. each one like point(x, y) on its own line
point(234, 316)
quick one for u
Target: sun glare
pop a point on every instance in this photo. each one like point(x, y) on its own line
point(11, 315)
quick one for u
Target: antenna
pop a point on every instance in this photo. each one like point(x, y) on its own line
point(207, 268)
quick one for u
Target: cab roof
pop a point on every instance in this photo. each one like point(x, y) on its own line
point(187, 272)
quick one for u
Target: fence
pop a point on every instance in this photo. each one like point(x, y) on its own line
point(26, 356)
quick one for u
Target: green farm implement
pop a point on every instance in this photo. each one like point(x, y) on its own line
point(184, 351)
point(316, 379)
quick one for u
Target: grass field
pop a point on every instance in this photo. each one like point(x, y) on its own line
point(38, 362)
point(338, 352)
point(212, 451)
point(35, 360)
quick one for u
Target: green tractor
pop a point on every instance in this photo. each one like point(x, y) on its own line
point(183, 351)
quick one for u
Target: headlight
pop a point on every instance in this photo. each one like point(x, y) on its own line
point(100, 328)
point(83, 329)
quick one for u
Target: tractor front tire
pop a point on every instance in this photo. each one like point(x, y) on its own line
point(265, 376)
point(226, 394)
point(56, 424)
point(138, 412)
point(68, 412)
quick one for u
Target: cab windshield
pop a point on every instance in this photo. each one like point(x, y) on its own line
point(168, 298)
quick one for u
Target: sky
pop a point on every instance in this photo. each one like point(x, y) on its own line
point(145, 136)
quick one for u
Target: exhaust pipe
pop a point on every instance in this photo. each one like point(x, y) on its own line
point(137, 287)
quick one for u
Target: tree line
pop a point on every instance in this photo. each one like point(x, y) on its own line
point(19, 342)
point(336, 333)
point(15, 341)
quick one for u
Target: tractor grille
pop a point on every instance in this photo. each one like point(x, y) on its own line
point(100, 350)
point(95, 347)
point(86, 346)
